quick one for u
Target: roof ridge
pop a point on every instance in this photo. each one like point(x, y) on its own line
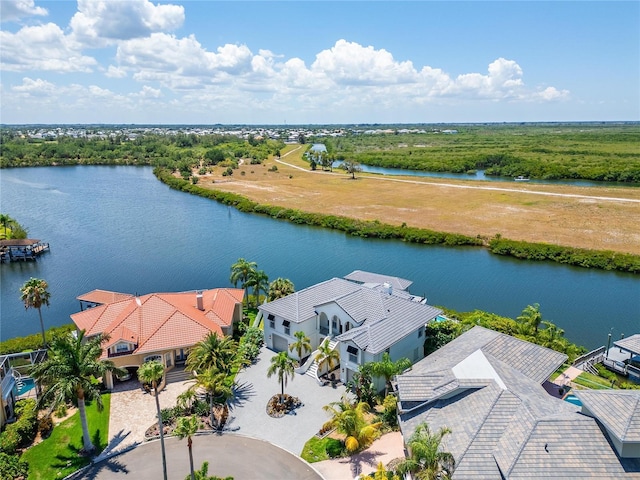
point(630, 418)
point(524, 443)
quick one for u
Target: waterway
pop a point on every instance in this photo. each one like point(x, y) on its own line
point(119, 228)
point(480, 175)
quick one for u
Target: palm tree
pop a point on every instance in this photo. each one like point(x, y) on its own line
point(280, 287)
point(4, 221)
point(151, 372)
point(186, 427)
point(215, 383)
point(302, 344)
point(388, 369)
point(69, 372)
point(349, 419)
point(282, 365)
point(240, 272)
point(426, 459)
point(34, 294)
point(213, 351)
point(259, 281)
point(531, 317)
point(327, 356)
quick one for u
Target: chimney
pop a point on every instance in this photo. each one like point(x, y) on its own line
point(199, 302)
point(389, 288)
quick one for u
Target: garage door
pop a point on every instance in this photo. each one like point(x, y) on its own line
point(280, 344)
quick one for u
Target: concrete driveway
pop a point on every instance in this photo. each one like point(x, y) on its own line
point(249, 416)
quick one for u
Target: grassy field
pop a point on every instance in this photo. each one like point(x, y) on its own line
point(57, 456)
point(601, 218)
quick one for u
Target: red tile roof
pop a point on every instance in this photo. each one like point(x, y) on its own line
point(159, 321)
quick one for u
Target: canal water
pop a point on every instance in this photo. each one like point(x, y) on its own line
point(119, 228)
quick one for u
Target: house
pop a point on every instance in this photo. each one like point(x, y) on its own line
point(157, 326)
point(15, 381)
point(363, 315)
point(486, 387)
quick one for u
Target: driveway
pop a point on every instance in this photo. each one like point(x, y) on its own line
point(249, 417)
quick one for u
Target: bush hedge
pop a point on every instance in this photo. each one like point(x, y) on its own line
point(20, 433)
point(33, 342)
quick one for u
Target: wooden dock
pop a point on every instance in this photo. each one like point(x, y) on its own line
point(21, 250)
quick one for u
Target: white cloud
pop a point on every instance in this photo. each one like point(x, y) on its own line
point(36, 88)
point(42, 47)
point(12, 10)
point(101, 22)
point(149, 92)
point(349, 63)
point(551, 93)
point(115, 72)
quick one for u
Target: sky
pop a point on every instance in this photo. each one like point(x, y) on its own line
point(318, 62)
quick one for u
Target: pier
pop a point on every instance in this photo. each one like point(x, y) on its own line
point(23, 250)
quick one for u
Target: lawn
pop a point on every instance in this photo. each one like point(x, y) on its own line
point(593, 382)
point(317, 450)
point(57, 456)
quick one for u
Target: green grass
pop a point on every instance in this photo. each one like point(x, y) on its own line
point(57, 456)
point(317, 450)
point(593, 382)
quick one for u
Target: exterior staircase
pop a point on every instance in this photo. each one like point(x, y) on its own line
point(312, 371)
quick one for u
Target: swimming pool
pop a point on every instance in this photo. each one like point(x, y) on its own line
point(573, 399)
point(441, 318)
point(26, 385)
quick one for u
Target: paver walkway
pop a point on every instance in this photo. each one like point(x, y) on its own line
point(133, 411)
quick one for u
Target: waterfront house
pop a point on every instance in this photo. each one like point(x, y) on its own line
point(486, 387)
point(362, 315)
point(156, 326)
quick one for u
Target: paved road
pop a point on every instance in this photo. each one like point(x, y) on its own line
point(228, 455)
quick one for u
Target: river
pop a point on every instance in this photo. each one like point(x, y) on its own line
point(118, 228)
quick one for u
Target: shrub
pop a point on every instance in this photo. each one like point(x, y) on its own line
point(22, 432)
point(45, 425)
point(11, 467)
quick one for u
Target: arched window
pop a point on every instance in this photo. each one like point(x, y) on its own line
point(347, 327)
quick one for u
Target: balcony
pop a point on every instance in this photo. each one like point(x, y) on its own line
point(122, 353)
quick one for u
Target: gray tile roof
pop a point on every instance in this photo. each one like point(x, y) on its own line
point(300, 306)
point(631, 343)
point(376, 278)
point(617, 410)
point(505, 426)
point(389, 319)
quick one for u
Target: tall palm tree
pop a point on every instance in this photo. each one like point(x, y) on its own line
point(531, 317)
point(426, 459)
point(34, 294)
point(259, 281)
point(186, 427)
point(388, 369)
point(240, 272)
point(213, 351)
point(69, 372)
point(280, 287)
point(4, 221)
point(327, 356)
point(216, 384)
point(349, 419)
point(281, 365)
point(302, 344)
point(151, 372)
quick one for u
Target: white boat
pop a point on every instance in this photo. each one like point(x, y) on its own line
point(521, 178)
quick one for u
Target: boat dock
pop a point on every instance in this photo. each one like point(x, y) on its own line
point(21, 250)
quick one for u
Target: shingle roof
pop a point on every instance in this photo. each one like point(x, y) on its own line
point(160, 321)
point(632, 344)
point(376, 278)
point(505, 426)
point(299, 306)
point(389, 319)
point(617, 410)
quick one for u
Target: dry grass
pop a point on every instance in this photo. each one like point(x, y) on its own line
point(588, 217)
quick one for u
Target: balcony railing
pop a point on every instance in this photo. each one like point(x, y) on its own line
point(120, 354)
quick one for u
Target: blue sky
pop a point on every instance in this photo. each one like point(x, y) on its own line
point(205, 62)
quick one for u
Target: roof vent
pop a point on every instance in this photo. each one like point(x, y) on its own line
point(199, 301)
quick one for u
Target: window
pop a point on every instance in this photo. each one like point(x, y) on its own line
point(353, 354)
point(420, 332)
point(122, 347)
point(287, 327)
point(347, 327)
point(272, 321)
